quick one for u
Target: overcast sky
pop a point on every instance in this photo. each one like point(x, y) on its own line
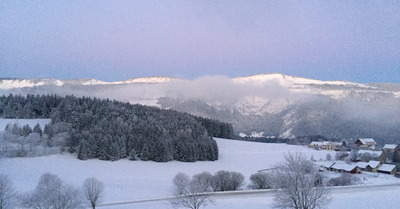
point(118, 40)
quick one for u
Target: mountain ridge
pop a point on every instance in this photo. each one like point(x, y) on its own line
point(276, 104)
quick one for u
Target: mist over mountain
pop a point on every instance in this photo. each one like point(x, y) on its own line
point(276, 104)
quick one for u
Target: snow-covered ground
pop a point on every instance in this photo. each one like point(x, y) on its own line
point(136, 180)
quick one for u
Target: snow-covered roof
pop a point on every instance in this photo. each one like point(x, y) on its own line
point(320, 143)
point(327, 164)
point(373, 163)
point(367, 140)
point(345, 167)
point(386, 167)
point(337, 143)
point(362, 164)
point(390, 146)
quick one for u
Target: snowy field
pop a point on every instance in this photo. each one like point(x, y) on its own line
point(136, 180)
point(21, 122)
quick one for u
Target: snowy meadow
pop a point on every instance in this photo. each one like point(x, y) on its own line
point(126, 180)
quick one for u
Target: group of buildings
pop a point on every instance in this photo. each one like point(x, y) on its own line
point(366, 147)
point(371, 166)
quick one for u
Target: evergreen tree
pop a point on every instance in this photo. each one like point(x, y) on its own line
point(132, 155)
point(83, 150)
point(145, 153)
point(37, 129)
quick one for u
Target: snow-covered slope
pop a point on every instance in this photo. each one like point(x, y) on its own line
point(126, 180)
point(286, 80)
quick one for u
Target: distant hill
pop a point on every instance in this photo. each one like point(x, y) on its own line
point(276, 104)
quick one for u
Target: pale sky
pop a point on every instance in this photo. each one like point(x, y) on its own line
point(115, 40)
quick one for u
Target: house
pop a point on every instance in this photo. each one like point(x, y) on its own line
point(325, 145)
point(366, 143)
point(390, 147)
point(387, 169)
point(373, 166)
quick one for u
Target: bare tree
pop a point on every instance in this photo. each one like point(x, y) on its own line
point(227, 181)
point(93, 190)
point(260, 180)
point(298, 184)
point(7, 193)
point(180, 182)
point(203, 181)
point(328, 157)
point(189, 193)
point(52, 193)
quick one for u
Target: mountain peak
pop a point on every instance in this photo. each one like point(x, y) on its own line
point(148, 80)
point(287, 80)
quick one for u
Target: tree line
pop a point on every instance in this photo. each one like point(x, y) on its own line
point(111, 130)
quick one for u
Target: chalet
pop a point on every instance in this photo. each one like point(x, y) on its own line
point(373, 166)
point(346, 168)
point(390, 147)
point(366, 143)
point(325, 145)
point(387, 169)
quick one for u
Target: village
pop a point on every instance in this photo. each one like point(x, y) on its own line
point(363, 155)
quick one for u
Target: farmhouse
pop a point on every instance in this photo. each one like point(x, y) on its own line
point(325, 145)
point(366, 143)
point(341, 167)
point(388, 169)
point(346, 168)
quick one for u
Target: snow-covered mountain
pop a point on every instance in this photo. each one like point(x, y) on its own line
point(29, 83)
point(276, 104)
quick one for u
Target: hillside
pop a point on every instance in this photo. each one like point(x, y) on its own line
point(278, 105)
point(109, 130)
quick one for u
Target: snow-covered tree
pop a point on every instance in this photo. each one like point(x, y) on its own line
point(52, 193)
point(298, 184)
point(93, 190)
point(227, 181)
point(189, 193)
point(7, 193)
point(328, 157)
point(260, 180)
point(203, 181)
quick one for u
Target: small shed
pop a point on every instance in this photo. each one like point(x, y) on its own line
point(387, 168)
